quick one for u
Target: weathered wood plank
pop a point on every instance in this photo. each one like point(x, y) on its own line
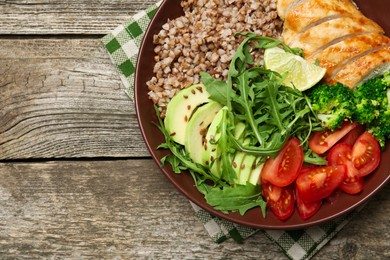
point(101, 210)
point(127, 209)
point(66, 17)
point(63, 98)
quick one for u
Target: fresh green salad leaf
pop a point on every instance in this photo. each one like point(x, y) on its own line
point(179, 159)
point(228, 172)
point(269, 111)
point(257, 97)
point(238, 198)
point(219, 91)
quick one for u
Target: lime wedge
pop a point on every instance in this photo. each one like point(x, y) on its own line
point(297, 71)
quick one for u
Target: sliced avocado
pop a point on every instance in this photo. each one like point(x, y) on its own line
point(255, 174)
point(239, 156)
point(212, 152)
point(243, 163)
point(238, 160)
point(181, 108)
point(246, 169)
point(197, 128)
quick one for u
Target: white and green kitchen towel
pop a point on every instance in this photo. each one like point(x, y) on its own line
point(122, 45)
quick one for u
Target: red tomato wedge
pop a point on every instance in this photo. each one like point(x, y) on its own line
point(352, 185)
point(366, 154)
point(306, 209)
point(283, 170)
point(320, 142)
point(352, 136)
point(320, 182)
point(280, 200)
point(341, 154)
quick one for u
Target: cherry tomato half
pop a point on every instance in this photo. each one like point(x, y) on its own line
point(283, 170)
point(352, 136)
point(342, 154)
point(320, 182)
point(320, 142)
point(352, 185)
point(306, 209)
point(366, 154)
point(280, 200)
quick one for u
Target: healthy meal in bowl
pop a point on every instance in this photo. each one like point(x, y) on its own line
point(273, 104)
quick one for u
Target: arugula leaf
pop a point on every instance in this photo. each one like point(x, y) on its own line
point(272, 113)
point(180, 160)
point(264, 42)
point(201, 183)
point(174, 162)
point(256, 97)
point(228, 172)
point(216, 88)
point(237, 198)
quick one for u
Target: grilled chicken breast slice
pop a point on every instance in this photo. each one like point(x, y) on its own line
point(335, 56)
point(319, 37)
point(309, 12)
point(334, 32)
point(361, 68)
point(283, 6)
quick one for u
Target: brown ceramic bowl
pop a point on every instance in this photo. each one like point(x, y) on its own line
point(374, 9)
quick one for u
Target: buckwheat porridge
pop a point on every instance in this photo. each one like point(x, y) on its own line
point(204, 39)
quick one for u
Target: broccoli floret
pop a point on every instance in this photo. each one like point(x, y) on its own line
point(368, 104)
point(371, 100)
point(386, 79)
point(380, 128)
point(331, 103)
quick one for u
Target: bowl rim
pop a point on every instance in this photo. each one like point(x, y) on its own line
point(233, 217)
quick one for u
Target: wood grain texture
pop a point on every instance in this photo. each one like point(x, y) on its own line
point(82, 17)
point(126, 209)
point(63, 98)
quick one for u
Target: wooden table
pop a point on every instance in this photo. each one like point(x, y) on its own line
point(76, 180)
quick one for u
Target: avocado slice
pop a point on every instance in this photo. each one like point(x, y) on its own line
point(211, 153)
point(197, 128)
point(255, 174)
point(239, 156)
point(246, 169)
point(238, 160)
point(181, 108)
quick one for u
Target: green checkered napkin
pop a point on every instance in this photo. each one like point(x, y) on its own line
point(295, 244)
point(122, 45)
